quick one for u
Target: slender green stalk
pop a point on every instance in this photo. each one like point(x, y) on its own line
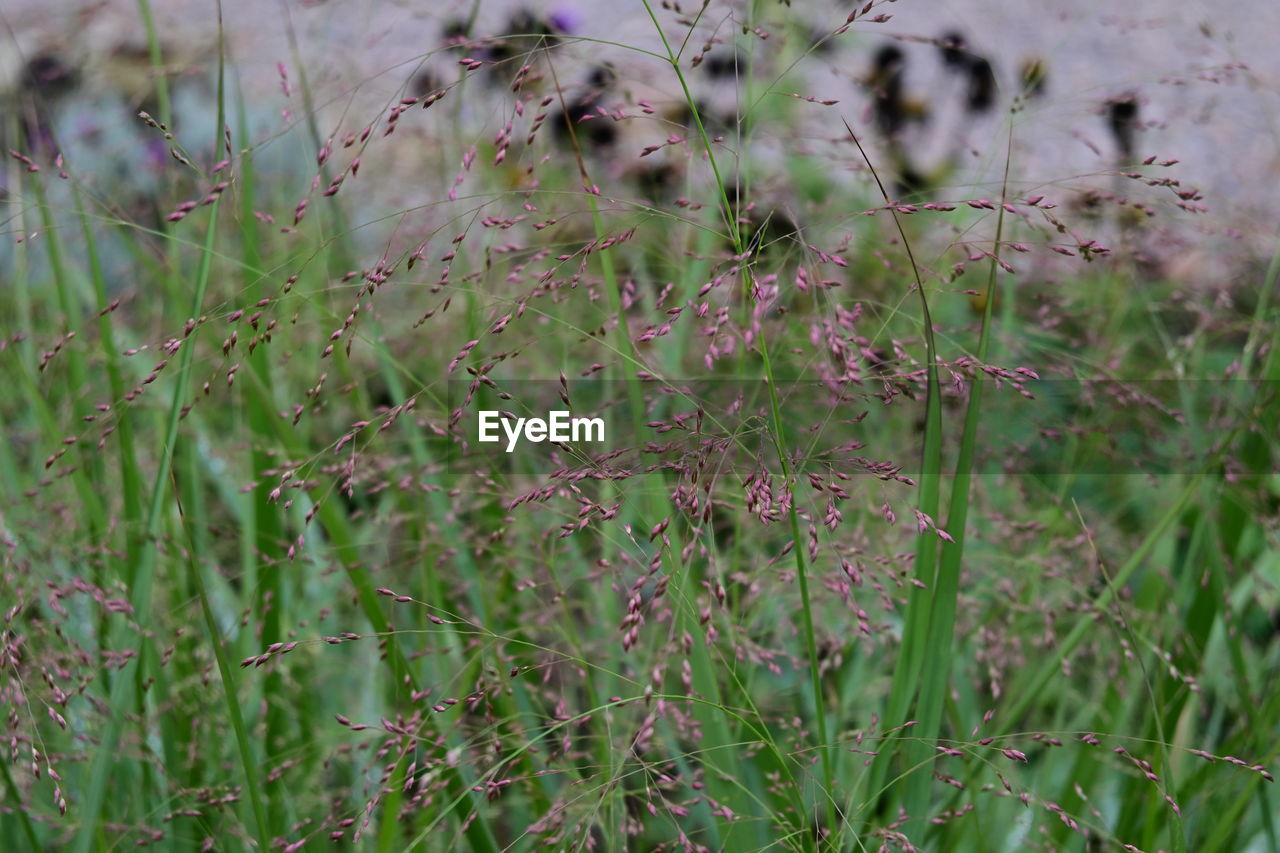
point(157, 61)
point(248, 761)
point(916, 632)
point(122, 691)
point(780, 440)
point(920, 750)
point(1261, 322)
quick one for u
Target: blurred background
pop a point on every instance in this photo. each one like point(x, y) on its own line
point(449, 143)
point(1102, 87)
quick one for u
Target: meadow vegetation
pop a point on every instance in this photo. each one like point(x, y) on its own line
point(934, 513)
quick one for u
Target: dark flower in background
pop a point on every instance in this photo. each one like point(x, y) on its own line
point(1122, 120)
point(954, 49)
point(887, 69)
point(981, 95)
point(46, 75)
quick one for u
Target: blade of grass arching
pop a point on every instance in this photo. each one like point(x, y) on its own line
point(94, 466)
point(915, 632)
point(798, 543)
point(1255, 457)
point(1262, 324)
point(156, 56)
point(122, 691)
point(186, 666)
point(130, 483)
point(919, 751)
point(1201, 615)
point(248, 761)
point(69, 303)
point(337, 529)
point(1155, 713)
point(92, 475)
point(46, 406)
point(458, 781)
point(125, 691)
point(758, 736)
point(341, 254)
point(90, 471)
point(1243, 676)
point(1229, 633)
point(21, 270)
point(1227, 826)
point(168, 261)
point(152, 688)
point(86, 476)
point(700, 818)
point(601, 681)
point(654, 506)
point(264, 548)
point(440, 592)
point(799, 550)
point(19, 811)
point(1031, 689)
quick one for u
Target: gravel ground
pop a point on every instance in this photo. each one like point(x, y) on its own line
point(1206, 83)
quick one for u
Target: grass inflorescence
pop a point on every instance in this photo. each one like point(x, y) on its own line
point(935, 510)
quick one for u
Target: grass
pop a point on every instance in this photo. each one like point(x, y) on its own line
point(872, 558)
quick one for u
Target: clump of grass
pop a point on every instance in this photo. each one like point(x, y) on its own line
point(244, 430)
